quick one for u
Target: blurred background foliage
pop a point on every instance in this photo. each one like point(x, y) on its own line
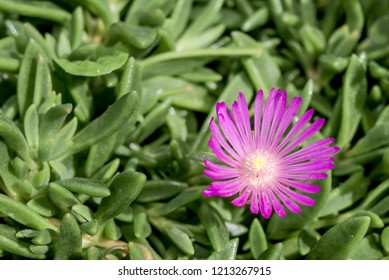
point(105, 106)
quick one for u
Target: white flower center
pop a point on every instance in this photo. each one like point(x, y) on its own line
point(259, 169)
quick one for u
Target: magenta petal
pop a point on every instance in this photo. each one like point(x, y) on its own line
point(299, 198)
point(220, 139)
point(229, 128)
point(290, 204)
point(218, 176)
point(302, 186)
point(278, 114)
point(289, 114)
point(254, 204)
point(301, 122)
point(268, 115)
point(265, 205)
point(258, 116)
point(277, 206)
point(218, 151)
point(210, 192)
point(241, 200)
point(307, 133)
point(229, 187)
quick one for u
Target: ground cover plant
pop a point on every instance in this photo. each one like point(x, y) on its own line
point(106, 108)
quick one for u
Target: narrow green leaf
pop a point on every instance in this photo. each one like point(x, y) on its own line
point(12, 246)
point(140, 37)
point(374, 195)
point(124, 189)
point(257, 239)
point(346, 194)
point(153, 120)
point(86, 186)
point(208, 16)
point(61, 197)
point(368, 249)
point(214, 226)
point(27, 74)
point(87, 68)
point(228, 253)
point(385, 238)
point(50, 126)
point(43, 238)
point(339, 242)
point(69, 240)
point(307, 239)
point(179, 18)
point(99, 153)
point(139, 251)
point(353, 97)
point(23, 214)
point(42, 205)
point(262, 70)
point(130, 79)
point(31, 128)
point(274, 252)
point(179, 238)
point(375, 138)
point(106, 124)
point(52, 13)
point(154, 190)
point(111, 230)
point(13, 137)
point(76, 28)
point(142, 228)
point(82, 213)
point(187, 196)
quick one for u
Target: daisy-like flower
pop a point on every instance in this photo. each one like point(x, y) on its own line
point(265, 167)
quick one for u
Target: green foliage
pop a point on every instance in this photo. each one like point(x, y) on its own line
point(104, 125)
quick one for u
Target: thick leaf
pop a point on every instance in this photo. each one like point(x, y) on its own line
point(262, 70)
point(228, 253)
point(15, 247)
point(142, 228)
point(69, 240)
point(274, 252)
point(85, 186)
point(13, 137)
point(257, 239)
point(179, 238)
point(367, 249)
point(353, 97)
point(139, 251)
point(106, 124)
point(124, 189)
point(154, 190)
point(214, 226)
point(22, 214)
point(187, 196)
point(339, 242)
point(87, 68)
point(346, 194)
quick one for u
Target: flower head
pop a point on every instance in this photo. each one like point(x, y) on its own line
point(266, 167)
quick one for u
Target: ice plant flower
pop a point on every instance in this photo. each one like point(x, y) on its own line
point(266, 167)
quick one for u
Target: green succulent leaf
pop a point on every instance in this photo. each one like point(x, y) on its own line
point(339, 242)
point(125, 188)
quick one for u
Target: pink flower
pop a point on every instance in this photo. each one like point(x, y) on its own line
point(266, 167)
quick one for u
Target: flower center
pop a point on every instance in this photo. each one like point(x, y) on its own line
point(259, 169)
